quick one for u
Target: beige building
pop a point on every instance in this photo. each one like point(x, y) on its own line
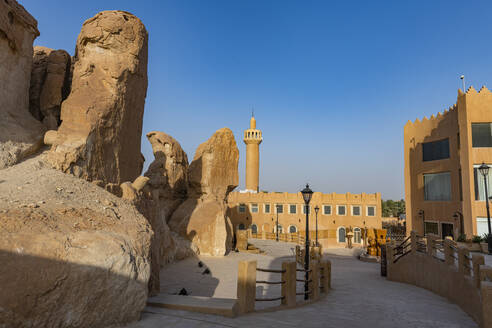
point(444, 191)
point(258, 211)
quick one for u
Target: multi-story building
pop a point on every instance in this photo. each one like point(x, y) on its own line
point(444, 190)
point(259, 211)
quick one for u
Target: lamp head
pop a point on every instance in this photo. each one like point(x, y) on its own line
point(316, 209)
point(307, 193)
point(484, 169)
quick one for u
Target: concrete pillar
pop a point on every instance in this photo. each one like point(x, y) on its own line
point(326, 276)
point(448, 252)
point(463, 262)
point(413, 241)
point(477, 260)
point(314, 285)
point(289, 286)
point(485, 273)
point(486, 293)
point(263, 235)
point(246, 286)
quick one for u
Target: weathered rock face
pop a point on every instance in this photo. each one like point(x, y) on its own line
point(168, 173)
point(49, 85)
point(71, 254)
point(20, 134)
point(212, 175)
point(99, 137)
point(213, 172)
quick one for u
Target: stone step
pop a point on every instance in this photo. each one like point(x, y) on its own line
point(227, 307)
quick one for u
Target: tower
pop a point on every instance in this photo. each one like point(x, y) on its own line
point(252, 139)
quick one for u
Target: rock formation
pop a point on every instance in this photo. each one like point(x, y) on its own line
point(49, 85)
point(212, 175)
point(20, 134)
point(71, 254)
point(99, 137)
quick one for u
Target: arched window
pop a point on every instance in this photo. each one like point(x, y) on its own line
point(341, 235)
point(280, 229)
point(241, 227)
point(292, 229)
point(254, 228)
point(357, 236)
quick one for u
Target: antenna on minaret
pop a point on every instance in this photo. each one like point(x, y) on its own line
point(253, 111)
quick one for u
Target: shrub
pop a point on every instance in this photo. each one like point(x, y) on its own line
point(485, 237)
point(476, 239)
point(461, 238)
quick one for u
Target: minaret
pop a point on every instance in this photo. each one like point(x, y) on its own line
point(252, 139)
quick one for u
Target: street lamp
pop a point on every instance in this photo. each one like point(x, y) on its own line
point(278, 206)
point(316, 210)
point(306, 194)
point(484, 169)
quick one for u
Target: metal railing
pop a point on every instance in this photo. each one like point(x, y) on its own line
point(270, 283)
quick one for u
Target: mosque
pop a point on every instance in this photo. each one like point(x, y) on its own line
point(258, 210)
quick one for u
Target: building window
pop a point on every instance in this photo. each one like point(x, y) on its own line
point(341, 235)
point(341, 209)
point(371, 210)
point(279, 208)
point(356, 210)
point(292, 209)
point(266, 208)
point(327, 209)
point(482, 226)
point(292, 229)
point(304, 209)
point(482, 134)
point(254, 208)
point(254, 228)
point(357, 236)
point(431, 228)
point(242, 208)
point(241, 226)
point(280, 229)
point(480, 183)
point(437, 186)
point(435, 150)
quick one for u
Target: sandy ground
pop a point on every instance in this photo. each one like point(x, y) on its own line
point(360, 297)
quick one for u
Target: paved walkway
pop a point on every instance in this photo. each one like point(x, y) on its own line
point(360, 297)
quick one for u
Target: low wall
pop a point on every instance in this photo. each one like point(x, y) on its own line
point(447, 270)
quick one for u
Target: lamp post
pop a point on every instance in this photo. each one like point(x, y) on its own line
point(277, 222)
point(316, 210)
point(306, 194)
point(484, 169)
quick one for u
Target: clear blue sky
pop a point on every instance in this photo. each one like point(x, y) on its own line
point(332, 82)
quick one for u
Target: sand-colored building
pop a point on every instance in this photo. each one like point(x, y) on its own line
point(258, 211)
point(444, 191)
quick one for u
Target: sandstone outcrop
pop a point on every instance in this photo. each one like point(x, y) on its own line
point(212, 175)
point(49, 85)
point(99, 137)
point(20, 134)
point(71, 254)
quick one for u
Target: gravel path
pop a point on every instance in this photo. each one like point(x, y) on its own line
point(360, 296)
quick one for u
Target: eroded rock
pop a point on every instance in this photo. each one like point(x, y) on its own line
point(99, 137)
point(20, 134)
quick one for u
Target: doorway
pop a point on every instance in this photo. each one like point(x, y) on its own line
point(447, 230)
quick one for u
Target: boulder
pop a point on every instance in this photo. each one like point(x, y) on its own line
point(49, 85)
point(100, 134)
point(20, 134)
point(71, 253)
point(212, 175)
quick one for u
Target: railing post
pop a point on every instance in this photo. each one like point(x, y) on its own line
point(326, 276)
point(431, 245)
point(314, 285)
point(462, 261)
point(263, 235)
point(448, 252)
point(246, 286)
point(413, 241)
point(390, 253)
point(289, 285)
point(477, 260)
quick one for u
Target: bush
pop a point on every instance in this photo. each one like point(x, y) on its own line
point(485, 237)
point(476, 239)
point(461, 238)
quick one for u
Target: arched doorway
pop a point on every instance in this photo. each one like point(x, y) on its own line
point(254, 228)
point(357, 236)
point(292, 229)
point(266, 227)
point(242, 227)
point(341, 234)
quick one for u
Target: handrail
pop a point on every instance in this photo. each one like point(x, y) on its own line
point(270, 282)
point(270, 270)
point(399, 257)
point(269, 299)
